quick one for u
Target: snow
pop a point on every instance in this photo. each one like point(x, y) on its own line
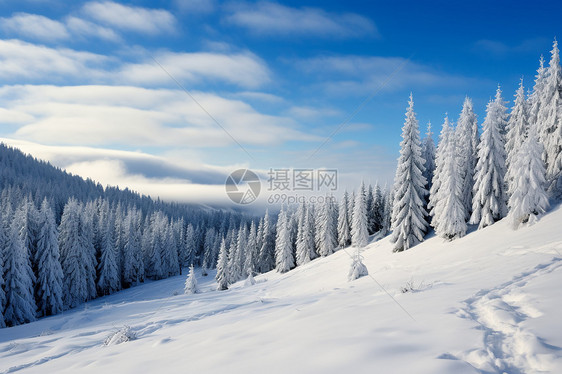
point(488, 302)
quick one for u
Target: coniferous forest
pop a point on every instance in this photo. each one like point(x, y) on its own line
point(65, 240)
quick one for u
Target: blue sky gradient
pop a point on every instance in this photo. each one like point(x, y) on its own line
point(79, 85)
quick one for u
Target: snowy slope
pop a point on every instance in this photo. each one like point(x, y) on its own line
point(489, 302)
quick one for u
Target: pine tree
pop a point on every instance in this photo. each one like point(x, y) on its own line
point(388, 197)
point(370, 200)
point(444, 140)
point(428, 154)
point(305, 240)
point(449, 211)
point(528, 200)
point(517, 127)
point(133, 265)
point(3, 244)
point(267, 250)
point(284, 260)
point(189, 258)
point(75, 258)
point(20, 304)
point(359, 233)
point(251, 250)
point(191, 282)
point(534, 100)
point(344, 231)
point(489, 202)
point(109, 277)
point(378, 209)
point(89, 261)
point(222, 268)
point(49, 277)
point(409, 215)
point(467, 143)
point(357, 269)
point(172, 264)
point(326, 229)
point(550, 123)
point(156, 256)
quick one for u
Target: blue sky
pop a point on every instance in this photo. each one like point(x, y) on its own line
point(80, 83)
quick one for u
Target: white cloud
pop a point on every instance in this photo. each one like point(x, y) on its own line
point(79, 26)
point(497, 48)
point(102, 115)
point(21, 60)
point(36, 62)
point(131, 18)
point(34, 26)
point(276, 19)
point(307, 112)
point(39, 27)
point(360, 74)
point(243, 69)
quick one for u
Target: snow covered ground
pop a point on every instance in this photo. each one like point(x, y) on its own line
point(489, 303)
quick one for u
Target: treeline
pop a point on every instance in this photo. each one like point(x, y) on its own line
point(55, 255)
point(301, 235)
point(511, 169)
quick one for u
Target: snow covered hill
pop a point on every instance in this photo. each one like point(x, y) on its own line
point(489, 302)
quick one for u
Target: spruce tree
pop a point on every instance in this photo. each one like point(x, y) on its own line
point(109, 277)
point(190, 250)
point(191, 283)
point(89, 261)
point(550, 123)
point(528, 200)
point(357, 269)
point(439, 164)
point(359, 233)
point(3, 244)
point(489, 202)
point(344, 222)
point(267, 250)
point(369, 204)
point(409, 214)
point(326, 229)
point(467, 143)
point(428, 154)
point(534, 100)
point(18, 275)
point(517, 127)
point(284, 260)
point(305, 240)
point(74, 255)
point(133, 265)
point(222, 268)
point(378, 209)
point(449, 211)
point(49, 287)
point(170, 251)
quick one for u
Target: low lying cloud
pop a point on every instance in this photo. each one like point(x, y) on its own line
point(169, 179)
point(268, 18)
point(34, 26)
point(113, 115)
point(27, 62)
point(364, 74)
point(131, 18)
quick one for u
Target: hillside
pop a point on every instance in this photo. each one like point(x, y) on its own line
point(488, 302)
